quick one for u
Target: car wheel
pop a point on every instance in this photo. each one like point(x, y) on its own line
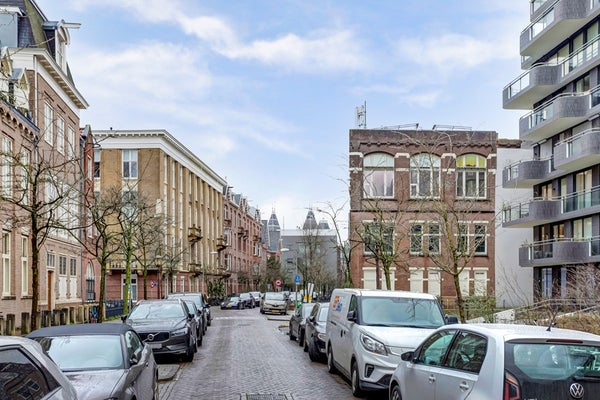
point(313, 353)
point(199, 342)
point(355, 381)
point(395, 393)
point(305, 344)
point(292, 336)
point(189, 355)
point(330, 362)
point(301, 338)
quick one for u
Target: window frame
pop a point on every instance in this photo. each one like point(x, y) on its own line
point(464, 167)
point(425, 170)
point(378, 167)
point(130, 164)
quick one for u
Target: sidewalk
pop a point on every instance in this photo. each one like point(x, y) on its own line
point(166, 372)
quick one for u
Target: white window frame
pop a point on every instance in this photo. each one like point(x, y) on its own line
point(471, 164)
point(378, 176)
point(416, 280)
point(72, 144)
point(130, 164)
point(434, 282)
point(425, 165)
point(480, 282)
point(6, 262)
point(60, 135)
point(25, 157)
point(7, 173)
point(24, 265)
point(48, 124)
point(389, 236)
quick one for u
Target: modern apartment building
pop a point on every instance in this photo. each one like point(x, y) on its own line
point(154, 167)
point(39, 136)
point(560, 91)
point(243, 259)
point(426, 194)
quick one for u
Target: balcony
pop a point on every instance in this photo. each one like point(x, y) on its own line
point(222, 243)
point(544, 78)
point(582, 203)
point(578, 152)
point(558, 21)
point(525, 174)
point(564, 251)
point(558, 114)
point(194, 234)
point(529, 214)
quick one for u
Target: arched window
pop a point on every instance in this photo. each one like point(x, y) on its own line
point(471, 176)
point(424, 176)
point(378, 170)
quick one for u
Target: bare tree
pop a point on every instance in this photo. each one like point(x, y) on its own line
point(344, 246)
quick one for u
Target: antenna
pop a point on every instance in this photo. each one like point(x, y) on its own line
point(361, 116)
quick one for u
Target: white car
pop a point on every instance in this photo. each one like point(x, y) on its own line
point(493, 361)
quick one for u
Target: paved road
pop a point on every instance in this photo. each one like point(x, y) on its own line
point(248, 356)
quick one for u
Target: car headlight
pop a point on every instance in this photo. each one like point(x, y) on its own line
point(372, 345)
point(179, 332)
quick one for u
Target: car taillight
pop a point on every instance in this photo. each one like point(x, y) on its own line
point(512, 389)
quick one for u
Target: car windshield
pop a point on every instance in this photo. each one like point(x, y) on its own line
point(234, 299)
point(196, 299)
point(158, 310)
point(274, 296)
point(85, 352)
point(322, 317)
point(401, 311)
point(553, 361)
point(306, 309)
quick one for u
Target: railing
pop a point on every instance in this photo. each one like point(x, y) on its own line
point(541, 114)
point(577, 144)
point(515, 212)
point(540, 23)
point(581, 200)
point(536, 4)
point(545, 248)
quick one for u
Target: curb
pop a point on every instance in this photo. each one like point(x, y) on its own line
point(166, 372)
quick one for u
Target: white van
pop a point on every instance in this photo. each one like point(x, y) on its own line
point(368, 330)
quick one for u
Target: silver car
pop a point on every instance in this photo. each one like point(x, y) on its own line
point(29, 373)
point(102, 361)
point(492, 361)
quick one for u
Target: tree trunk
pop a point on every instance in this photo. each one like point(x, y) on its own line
point(35, 281)
point(459, 299)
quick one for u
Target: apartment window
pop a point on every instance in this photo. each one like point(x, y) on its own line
point(130, 164)
point(471, 176)
point(130, 202)
point(62, 265)
point(24, 265)
point(462, 239)
point(433, 238)
point(480, 283)
point(424, 234)
point(50, 260)
point(132, 287)
point(424, 176)
point(434, 282)
point(378, 237)
point(71, 143)
point(378, 170)
point(73, 267)
point(48, 124)
point(97, 157)
point(90, 283)
point(7, 175)
point(6, 285)
point(480, 236)
point(25, 177)
point(416, 239)
point(60, 135)
point(416, 280)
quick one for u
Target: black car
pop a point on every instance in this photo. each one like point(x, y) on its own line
point(102, 361)
point(232, 302)
point(199, 320)
point(201, 304)
point(298, 320)
point(315, 332)
point(248, 300)
point(167, 326)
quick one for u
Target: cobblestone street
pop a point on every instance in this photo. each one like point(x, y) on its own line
point(247, 355)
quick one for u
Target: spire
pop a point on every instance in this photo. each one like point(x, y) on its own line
point(310, 222)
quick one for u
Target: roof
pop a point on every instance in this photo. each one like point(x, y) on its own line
point(510, 332)
point(106, 328)
point(390, 293)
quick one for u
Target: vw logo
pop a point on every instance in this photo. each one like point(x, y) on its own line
point(150, 338)
point(576, 390)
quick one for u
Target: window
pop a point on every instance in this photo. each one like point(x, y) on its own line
point(24, 265)
point(130, 169)
point(73, 266)
point(434, 350)
point(378, 237)
point(416, 280)
point(480, 283)
point(471, 176)
point(480, 239)
point(462, 240)
point(434, 282)
point(467, 352)
point(7, 175)
point(71, 143)
point(433, 238)
point(424, 176)
point(34, 382)
point(24, 177)
point(48, 117)
point(50, 259)
point(429, 231)
point(97, 153)
point(62, 265)
point(416, 239)
point(378, 170)
point(6, 242)
point(60, 135)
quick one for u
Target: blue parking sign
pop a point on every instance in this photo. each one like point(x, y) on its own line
point(297, 279)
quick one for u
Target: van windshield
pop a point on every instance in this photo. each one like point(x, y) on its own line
point(401, 311)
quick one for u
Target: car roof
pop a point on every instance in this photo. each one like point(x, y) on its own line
point(105, 328)
point(515, 332)
point(389, 293)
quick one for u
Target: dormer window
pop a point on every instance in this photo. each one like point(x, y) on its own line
point(58, 40)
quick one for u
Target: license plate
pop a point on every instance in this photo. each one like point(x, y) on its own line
point(154, 345)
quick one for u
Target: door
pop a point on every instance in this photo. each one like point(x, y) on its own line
point(346, 339)
point(141, 374)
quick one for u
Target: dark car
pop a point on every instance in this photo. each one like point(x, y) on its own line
point(199, 317)
point(166, 325)
point(28, 373)
point(201, 304)
point(248, 300)
point(102, 361)
point(232, 302)
point(314, 338)
point(298, 320)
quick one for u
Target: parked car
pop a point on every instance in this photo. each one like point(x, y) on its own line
point(102, 361)
point(199, 317)
point(298, 320)
point(314, 339)
point(166, 325)
point(247, 299)
point(256, 296)
point(232, 302)
point(274, 302)
point(21, 357)
point(490, 361)
point(201, 304)
point(367, 330)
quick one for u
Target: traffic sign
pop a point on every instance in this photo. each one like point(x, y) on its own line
point(297, 279)
point(278, 282)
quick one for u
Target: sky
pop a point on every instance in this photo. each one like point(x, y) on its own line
point(265, 91)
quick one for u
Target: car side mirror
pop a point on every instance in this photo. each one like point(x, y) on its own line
point(124, 318)
point(352, 316)
point(451, 319)
point(311, 318)
point(136, 357)
point(408, 356)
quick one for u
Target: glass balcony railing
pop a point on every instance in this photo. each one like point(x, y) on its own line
point(536, 4)
point(515, 212)
point(541, 114)
point(540, 24)
point(581, 200)
point(579, 144)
